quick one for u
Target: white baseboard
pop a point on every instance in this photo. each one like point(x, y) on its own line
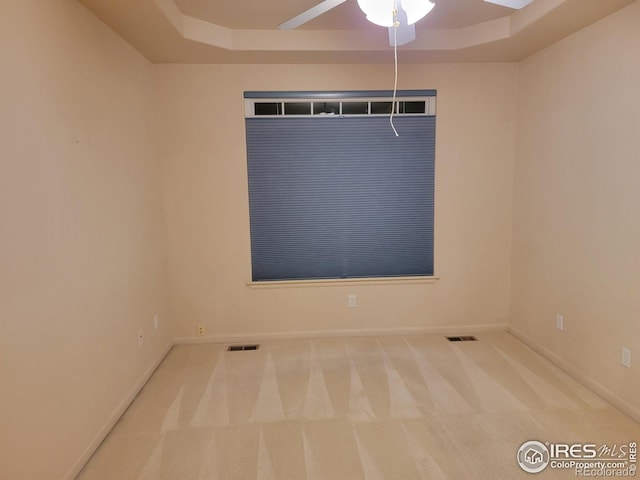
point(115, 416)
point(586, 380)
point(370, 332)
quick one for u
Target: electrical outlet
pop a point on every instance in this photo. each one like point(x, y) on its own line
point(156, 323)
point(202, 330)
point(560, 322)
point(140, 338)
point(352, 301)
point(626, 357)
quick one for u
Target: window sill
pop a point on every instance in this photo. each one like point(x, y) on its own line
point(340, 282)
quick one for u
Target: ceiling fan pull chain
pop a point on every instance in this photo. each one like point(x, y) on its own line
point(395, 64)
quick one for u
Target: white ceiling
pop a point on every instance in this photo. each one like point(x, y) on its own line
point(246, 31)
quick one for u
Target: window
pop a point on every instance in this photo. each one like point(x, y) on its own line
point(333, 193)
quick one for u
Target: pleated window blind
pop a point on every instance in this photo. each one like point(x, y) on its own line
point(340, 197)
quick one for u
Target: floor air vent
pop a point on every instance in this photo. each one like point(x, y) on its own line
point(241, 348)
point(467, 338)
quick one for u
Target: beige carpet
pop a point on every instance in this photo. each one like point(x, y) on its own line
point(393, 408)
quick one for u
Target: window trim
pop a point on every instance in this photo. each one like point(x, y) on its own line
point(340, 282)
point(338, 94)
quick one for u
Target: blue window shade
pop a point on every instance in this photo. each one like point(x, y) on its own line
point(340, 197)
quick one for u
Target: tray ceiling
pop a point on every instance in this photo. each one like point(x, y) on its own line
point(246, 31)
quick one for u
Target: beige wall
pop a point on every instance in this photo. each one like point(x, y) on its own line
point(81, 241)
point(82, 245)
point(577, 197)
point(201, 127)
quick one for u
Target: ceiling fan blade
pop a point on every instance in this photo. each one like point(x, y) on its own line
point(403, 33)
point(310, 14)
point(516, 4)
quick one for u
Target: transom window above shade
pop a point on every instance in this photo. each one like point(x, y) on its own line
point(337, 195)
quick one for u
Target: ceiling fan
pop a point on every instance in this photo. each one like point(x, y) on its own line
point(382, 12)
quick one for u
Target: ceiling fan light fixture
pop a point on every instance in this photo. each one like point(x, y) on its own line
point(416, 9)
point(516, 4)
point(380, 12)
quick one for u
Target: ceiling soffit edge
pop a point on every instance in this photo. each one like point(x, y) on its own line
point(208, 33)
